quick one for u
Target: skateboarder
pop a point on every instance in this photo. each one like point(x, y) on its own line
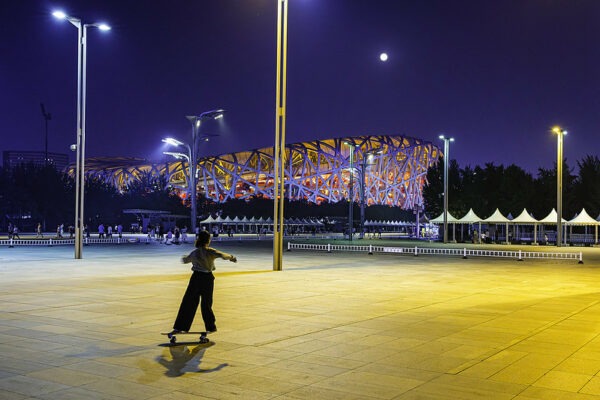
point(201, 285)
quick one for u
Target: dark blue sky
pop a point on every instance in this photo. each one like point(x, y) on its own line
point(496, 75)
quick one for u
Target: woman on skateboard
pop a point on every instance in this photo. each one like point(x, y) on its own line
point(201, 285)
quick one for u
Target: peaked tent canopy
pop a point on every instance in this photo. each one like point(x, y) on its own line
point(524, 218)
point(551, 218)
point(583, 218)
point(469, 218)
point(440, 219)
point(496, 218)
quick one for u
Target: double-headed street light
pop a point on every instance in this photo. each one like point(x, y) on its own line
point(81, 99)
point(446, 158)
point(192, 155)
point(559, 181)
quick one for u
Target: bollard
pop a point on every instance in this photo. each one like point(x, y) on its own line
point(328, 248)
point(580, 258)
point(289, 247)
point(416, 251)
point(370, 249)
point(10, 243)
point(464, 253)
point(520, 256)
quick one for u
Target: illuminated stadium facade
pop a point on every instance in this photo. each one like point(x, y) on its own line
point(393, 169)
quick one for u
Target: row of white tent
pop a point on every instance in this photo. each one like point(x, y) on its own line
point(525, 218)
point(258, 221)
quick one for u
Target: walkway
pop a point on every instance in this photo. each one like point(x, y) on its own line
point(330, 326)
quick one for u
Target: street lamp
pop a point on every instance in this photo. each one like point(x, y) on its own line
point(192, 155)
point(279, 147)
point(559, 181)
point(367, 160)
point(351, 190)
point(81, 99)
point(446, 158)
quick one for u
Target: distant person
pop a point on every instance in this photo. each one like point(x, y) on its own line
point(38, 231)
point(161, 233)
point(109, 231)
point(120, 230)
point(184, 234)
point(176, 235)
point(201, 285)
point(101, 231)
point(15, 234)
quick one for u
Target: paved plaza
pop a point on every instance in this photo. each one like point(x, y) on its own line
point(330, 326)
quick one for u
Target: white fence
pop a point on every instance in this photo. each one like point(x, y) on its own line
point(61, 242)
point(519, 255)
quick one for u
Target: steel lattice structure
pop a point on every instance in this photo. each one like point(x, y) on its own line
point(394, 169)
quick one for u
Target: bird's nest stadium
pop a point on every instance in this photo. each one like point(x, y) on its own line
point(386, 170)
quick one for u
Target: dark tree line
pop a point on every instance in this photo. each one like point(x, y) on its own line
point(30, 194)
point(511, 189)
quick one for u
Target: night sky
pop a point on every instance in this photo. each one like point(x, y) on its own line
point(495, 75)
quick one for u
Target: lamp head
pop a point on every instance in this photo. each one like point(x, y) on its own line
point(178, 156)
point(213, 114)
point(59, 14)
point(172, 141)
point(558, 130)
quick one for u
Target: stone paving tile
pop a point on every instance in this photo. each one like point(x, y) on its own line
point(331, 326)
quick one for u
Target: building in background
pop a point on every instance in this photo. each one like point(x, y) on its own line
point(388, 170)
point(13, 158)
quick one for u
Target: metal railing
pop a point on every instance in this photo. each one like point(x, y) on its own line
point(60, 242)
point(519, 255)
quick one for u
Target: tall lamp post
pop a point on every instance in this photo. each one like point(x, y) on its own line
point(351, 190)
point(81, 99)
point(367, 161)
point(559, 182)
point(279, 148)
point(192, 156)
point(446, 158)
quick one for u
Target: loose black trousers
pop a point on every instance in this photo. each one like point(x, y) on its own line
point(199, 290)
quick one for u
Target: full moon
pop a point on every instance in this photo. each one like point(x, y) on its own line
point(383, 56)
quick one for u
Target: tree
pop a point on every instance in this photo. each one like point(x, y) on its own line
point(587, 186)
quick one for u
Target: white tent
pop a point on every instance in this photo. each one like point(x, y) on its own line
point(584, 219)
point(498, 218)
point(440, 219)
point(468, 219)
point(551, 218)
point(526, 219)
point(450, 220)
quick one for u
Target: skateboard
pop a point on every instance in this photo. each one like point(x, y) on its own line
point(173, 336)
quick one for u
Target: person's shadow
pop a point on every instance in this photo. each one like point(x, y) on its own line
point(185, 360)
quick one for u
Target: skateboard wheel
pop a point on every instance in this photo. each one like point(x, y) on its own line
point(203, 339)
point(173, 339)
